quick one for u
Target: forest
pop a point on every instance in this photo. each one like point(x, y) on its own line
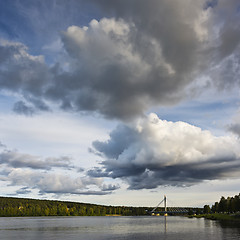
point(225, 205)
point(13, 207)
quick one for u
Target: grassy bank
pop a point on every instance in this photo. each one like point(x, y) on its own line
point(219, 216)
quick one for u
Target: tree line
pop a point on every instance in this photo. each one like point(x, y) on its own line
point(13, 207)
point(225, 205)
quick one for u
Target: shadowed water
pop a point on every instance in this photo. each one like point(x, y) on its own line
point(99, 228)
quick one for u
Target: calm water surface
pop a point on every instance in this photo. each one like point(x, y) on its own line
point(99, 228)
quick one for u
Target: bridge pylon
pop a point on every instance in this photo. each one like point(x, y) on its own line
point(165, 205)
point(167, 210)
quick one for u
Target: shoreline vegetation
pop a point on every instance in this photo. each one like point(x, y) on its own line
point(218, 216)
point(24, 207)
point(227, 209)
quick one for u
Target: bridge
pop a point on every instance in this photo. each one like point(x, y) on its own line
point(168, 210)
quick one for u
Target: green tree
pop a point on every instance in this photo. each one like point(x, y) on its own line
point(222, 206)
point(206, 209)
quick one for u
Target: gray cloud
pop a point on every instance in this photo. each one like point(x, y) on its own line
point(30, 108)
point(23, 190)
point(4, 173)
point(109, 187)
point(143, 53)
point(185, 175)
point(166, 153)
point(80, 169)
point(97, 173)
point(32, 172)
point(98, 193)
point(58, 184)
point(20, 71)
point(21, 108)
point(65, 191)
point(235, 128)
point(19, 160)
point(120, 139)
point(2, 145)
point(185, 29)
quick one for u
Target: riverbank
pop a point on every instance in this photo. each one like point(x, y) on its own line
point(219, 216)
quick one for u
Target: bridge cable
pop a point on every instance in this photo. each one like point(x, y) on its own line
point(157, 206)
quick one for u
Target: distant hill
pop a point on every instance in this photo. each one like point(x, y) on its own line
point(12, 207)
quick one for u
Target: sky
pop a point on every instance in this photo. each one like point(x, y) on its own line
point(120, 102)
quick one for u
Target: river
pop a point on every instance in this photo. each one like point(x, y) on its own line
point(104, 228)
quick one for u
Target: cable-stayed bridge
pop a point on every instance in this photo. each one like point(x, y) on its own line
point(167, 210)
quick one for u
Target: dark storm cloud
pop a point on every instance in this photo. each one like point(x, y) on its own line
point(166, 153)
point(184, 175)
point(139, 54)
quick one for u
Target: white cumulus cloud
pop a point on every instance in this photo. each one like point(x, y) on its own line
point(155, 152)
